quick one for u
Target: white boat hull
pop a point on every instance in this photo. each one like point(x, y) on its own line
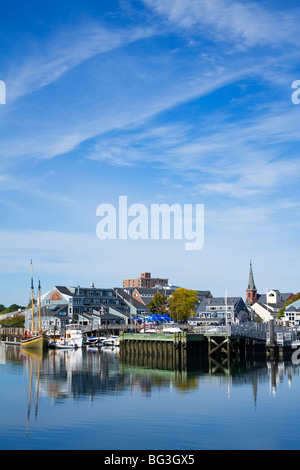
point(111, 341)
point(74, 333)
point(65, 345)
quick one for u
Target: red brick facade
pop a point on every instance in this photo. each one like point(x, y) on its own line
point(145, 280)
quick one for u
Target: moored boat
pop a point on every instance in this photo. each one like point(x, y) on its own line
point(171, 328)
point(95, 341)
point(150, 328)
point(37, 340)
point(111, 341)
point(74, 332)
point(64, 343)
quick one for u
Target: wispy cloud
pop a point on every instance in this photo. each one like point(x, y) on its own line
point(218, 154)
point(64, 51)
point(185, 99)
point(250, 23)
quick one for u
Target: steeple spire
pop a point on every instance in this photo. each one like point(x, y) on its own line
point(251, 285)
point(251, 292)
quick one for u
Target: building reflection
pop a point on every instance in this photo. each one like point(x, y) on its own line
point(85, 374)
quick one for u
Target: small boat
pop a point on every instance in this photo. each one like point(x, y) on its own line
point(171, 328)
point(95, 341)
point(37, 340)
point(63, 343)
point(54, 337)
point(74, 332)
point(150, 328)
point(111, 341)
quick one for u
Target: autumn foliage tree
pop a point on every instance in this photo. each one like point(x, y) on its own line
point(182, 304)
point(158, 304)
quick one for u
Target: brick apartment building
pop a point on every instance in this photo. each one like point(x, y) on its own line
point(145, 280)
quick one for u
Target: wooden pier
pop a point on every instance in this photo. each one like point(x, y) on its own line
point(11, 335)
point(215, 343)
point(171, 350)
point(220, 344)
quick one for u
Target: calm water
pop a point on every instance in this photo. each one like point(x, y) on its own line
point(87, 399)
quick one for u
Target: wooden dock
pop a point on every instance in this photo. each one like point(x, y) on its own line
point(171, 350)
point(217, 343)
point(11, 335)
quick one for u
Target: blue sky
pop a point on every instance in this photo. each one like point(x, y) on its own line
point(180, 101)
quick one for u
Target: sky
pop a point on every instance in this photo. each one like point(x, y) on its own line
point(173, 102)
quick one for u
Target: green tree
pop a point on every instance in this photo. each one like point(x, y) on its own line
point(182, 304)
point(158, 304)
point(12, 308)
point(17, 321)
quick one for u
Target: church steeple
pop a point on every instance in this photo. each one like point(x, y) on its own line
point(251, 292)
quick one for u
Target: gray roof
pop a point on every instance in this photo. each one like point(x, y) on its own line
point(262, 299)
point(119, 311)
point(49, 312)
point(219, 301)
point(153, 290)
point(64, 290)
point(131, 300)
point(295, 306)
point(238, 303)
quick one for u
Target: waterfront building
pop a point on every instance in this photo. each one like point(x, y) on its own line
point(137, 308)
point(220, 311)
point(292, 314)
point(52, 315)
point(89, 306)
point(269, 304)
point(138, 298)
point(144, 295)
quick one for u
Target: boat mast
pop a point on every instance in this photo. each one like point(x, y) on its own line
point(40, 326)
point(32, 306)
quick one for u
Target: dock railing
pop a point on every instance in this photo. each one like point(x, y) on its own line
point(213, 330)
point(261, 331)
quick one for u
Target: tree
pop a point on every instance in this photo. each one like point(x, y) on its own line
point(12, 308)
point(182, 304)
point(158, 304)
point(18, 321)
point(287, 303)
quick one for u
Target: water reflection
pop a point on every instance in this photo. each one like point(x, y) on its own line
point(87, 373)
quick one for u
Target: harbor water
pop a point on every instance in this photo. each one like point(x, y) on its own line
point(89, 399)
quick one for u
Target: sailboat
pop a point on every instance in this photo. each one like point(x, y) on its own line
point(36, 340)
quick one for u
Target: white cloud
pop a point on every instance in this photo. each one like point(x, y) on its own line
point(251, 23)
point(64, 51)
